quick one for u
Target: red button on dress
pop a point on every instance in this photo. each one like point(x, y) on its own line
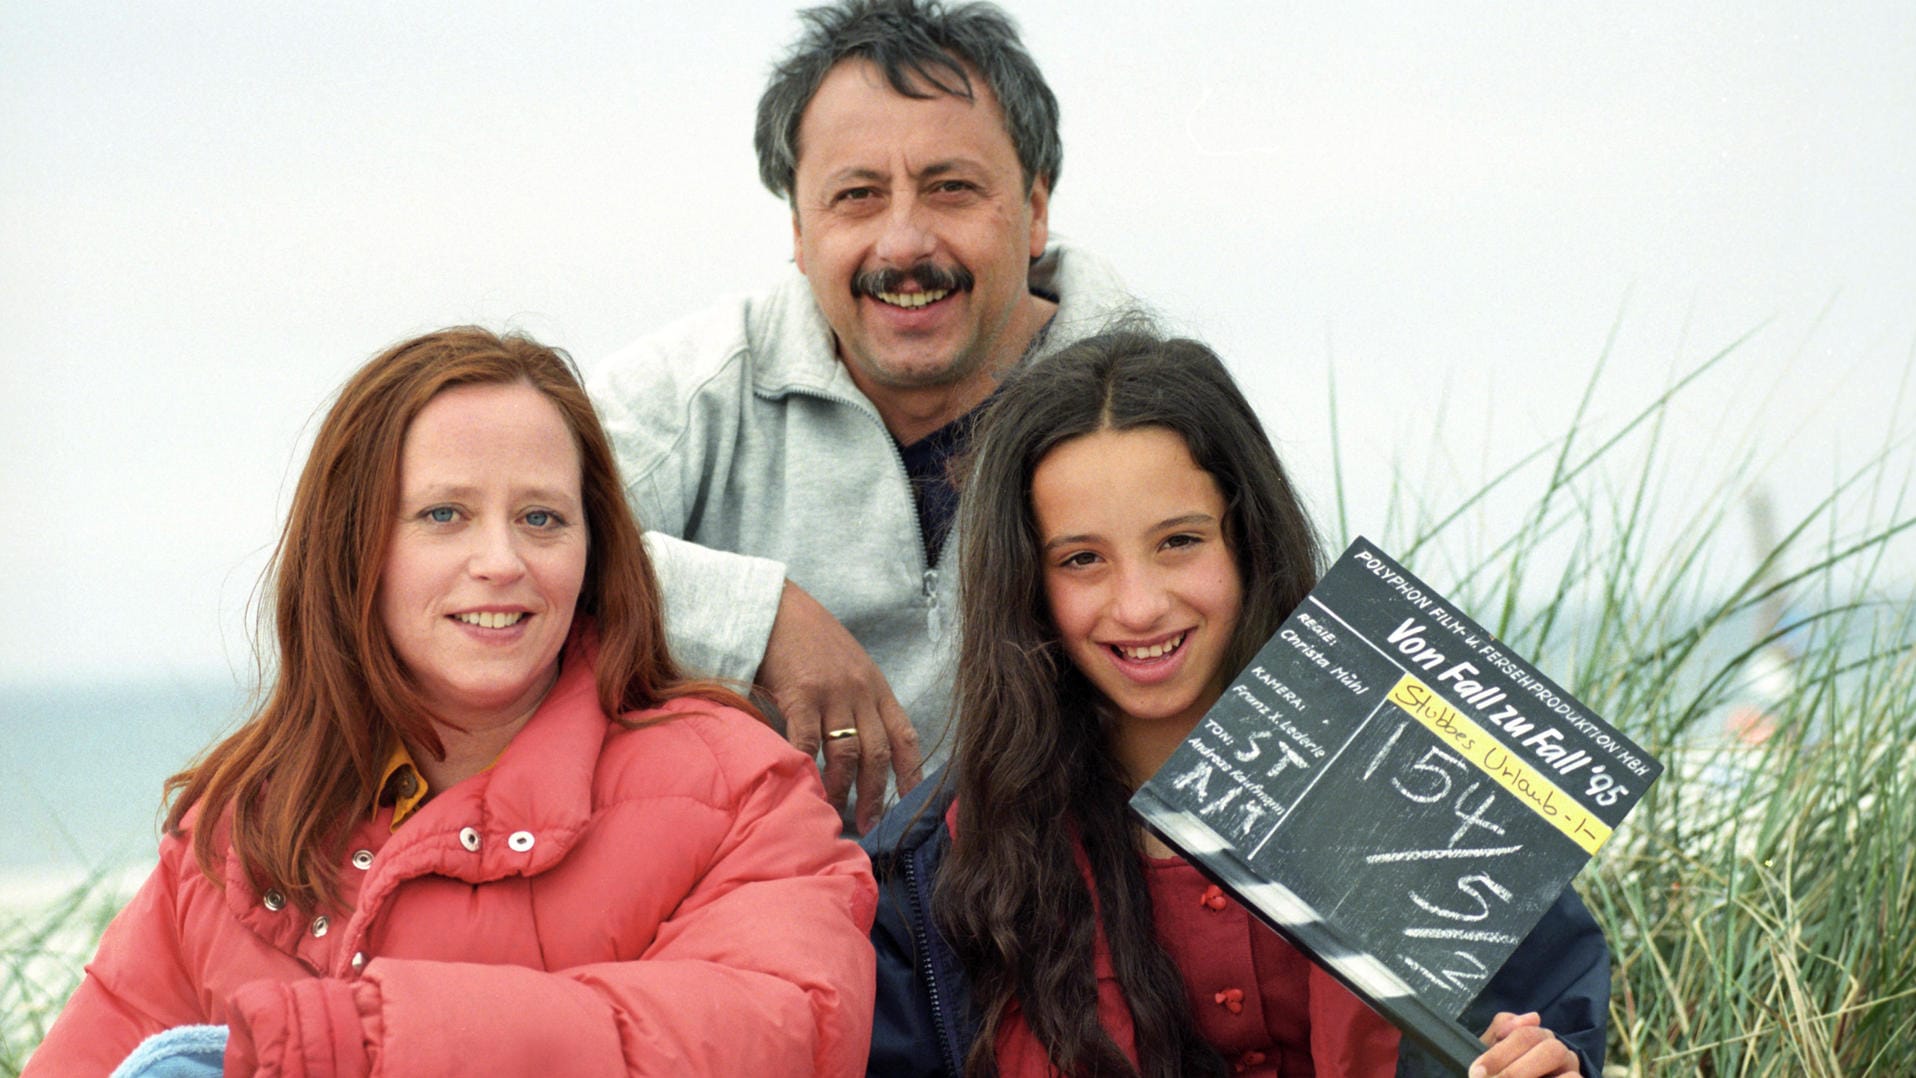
point(1212, 898)
point(1231, 999)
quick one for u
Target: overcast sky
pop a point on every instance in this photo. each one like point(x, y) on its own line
point(211, 213)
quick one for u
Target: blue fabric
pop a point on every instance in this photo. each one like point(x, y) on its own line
point(924, 1021)
point(180, 1052)
point(928, 466)
point(1562, 971)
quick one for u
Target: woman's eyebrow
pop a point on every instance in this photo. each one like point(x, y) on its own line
point(1184, 520)
point(1067, 540)
point(1181, 521)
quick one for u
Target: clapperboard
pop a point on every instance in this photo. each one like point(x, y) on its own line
point(1396, 793)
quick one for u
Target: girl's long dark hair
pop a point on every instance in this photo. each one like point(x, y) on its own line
point(1037, 779)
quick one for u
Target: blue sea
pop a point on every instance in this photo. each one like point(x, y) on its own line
point(83, 766)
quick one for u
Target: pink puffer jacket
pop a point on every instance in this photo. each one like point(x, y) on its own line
point(673, 899)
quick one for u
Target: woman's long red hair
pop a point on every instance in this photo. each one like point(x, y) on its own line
point(301, 771)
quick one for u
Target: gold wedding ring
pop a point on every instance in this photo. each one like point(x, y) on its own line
point(849, 731)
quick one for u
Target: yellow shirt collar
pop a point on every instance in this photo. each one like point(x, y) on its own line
point(401, 782)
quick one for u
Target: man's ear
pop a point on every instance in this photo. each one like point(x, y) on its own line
point(1039, 202)
point(798, 249)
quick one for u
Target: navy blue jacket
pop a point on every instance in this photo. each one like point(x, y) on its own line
point(924, 1022)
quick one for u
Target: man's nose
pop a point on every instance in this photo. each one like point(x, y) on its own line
point(907, 238)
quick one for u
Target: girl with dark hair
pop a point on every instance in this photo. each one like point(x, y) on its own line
point(481, 823)
point(1129, 542)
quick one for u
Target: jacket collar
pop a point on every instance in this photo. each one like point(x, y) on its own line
point(541, 786)
point(917, 818)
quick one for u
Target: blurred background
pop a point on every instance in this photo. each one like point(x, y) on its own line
point(1474, 226)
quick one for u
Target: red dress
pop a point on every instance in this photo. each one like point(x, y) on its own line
point(1268, 1010)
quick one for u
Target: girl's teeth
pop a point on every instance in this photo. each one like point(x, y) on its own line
point(489, 620)
point(1154, 651)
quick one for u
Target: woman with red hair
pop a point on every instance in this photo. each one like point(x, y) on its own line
point(481, 822)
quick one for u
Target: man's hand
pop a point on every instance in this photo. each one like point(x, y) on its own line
point(824, 683)
point(1521, 1048)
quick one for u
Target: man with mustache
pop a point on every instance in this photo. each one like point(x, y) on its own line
point(788, 453)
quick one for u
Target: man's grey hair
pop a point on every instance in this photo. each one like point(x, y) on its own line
point(924, 49)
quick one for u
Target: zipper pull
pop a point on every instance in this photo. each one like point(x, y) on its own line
point(934, 615)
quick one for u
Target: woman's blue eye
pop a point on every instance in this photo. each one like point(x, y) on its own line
point(539, 518)
point(440, 514)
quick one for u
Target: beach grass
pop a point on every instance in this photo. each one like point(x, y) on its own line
point(1759, 903)
point(44, 946)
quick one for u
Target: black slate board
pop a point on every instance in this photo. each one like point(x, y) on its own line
point(1395, 792)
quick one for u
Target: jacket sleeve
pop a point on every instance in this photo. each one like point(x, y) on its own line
point(719, 604)
point(134, 986)
point(764, 967)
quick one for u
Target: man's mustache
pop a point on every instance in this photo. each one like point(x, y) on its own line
point(929, 277)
